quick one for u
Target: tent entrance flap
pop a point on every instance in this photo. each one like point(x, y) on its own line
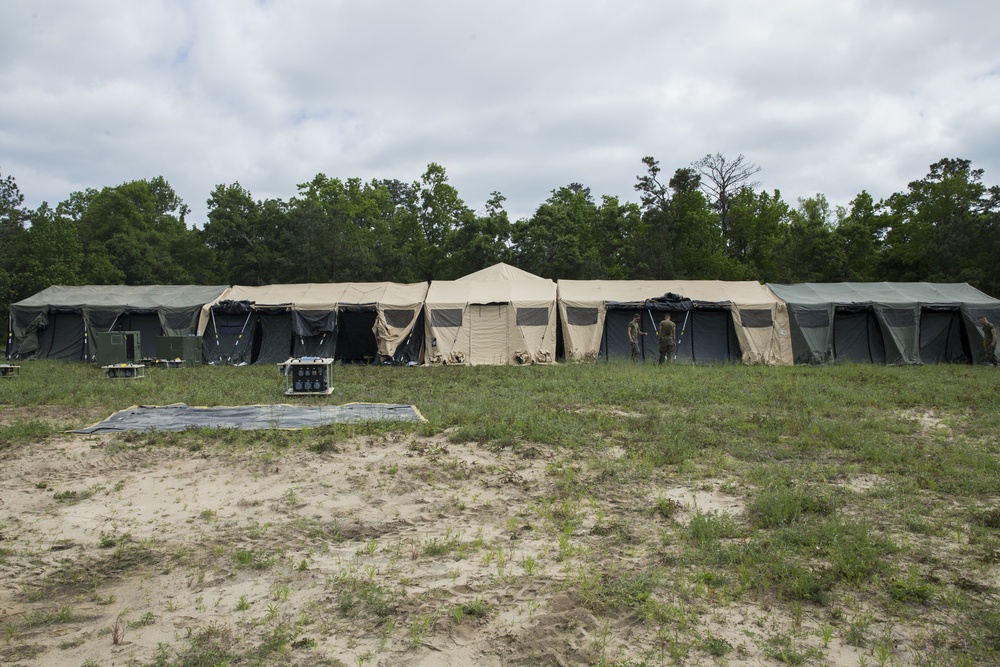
point(356, 342)
point(857, 336)
point(315, 333)
point(147, 324)
point(705, 333)
point(490, 334)
point(64, 338)
point(943, 338)
point(228, 339)
point(274, 336)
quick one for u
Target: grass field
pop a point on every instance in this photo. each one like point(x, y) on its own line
point(572, 514)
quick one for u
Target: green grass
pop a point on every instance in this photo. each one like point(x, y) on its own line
point(841, 489)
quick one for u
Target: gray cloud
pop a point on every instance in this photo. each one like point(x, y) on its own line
point(515, 97)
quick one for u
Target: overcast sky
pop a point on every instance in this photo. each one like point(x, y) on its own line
point(519, 97)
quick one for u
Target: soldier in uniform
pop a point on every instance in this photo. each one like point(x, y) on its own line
point(665, 333)
point(989, 340)
point(633, 336)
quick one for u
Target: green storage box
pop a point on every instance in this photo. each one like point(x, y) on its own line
point(117, 347)
point(185, 348)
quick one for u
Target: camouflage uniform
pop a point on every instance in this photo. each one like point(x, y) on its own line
point(665, 333)
point(633, 339)
point(989, 343)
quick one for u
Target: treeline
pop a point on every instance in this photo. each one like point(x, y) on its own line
point(706, 221)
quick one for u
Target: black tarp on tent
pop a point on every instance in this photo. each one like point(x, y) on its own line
point(229, 334)
point(886, 323)
point(57, 323)
point(705, 332)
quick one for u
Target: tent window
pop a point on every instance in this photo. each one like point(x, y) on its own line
point(532, 317)
point(398, 319)
point(581, 317)
point(757, 318)
point(446, 317)
point(812, 319)
point(900, 317)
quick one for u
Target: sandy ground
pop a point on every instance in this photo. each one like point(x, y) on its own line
point(387, 550)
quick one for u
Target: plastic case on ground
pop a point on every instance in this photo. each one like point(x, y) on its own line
point(308, 375)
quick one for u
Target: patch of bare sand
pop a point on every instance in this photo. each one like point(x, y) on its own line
point(389, 550)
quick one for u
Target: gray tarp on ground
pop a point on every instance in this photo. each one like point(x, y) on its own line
point(180, 417)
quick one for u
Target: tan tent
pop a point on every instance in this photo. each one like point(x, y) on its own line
point(500, 315)
point(355, 322)
point(716, 320)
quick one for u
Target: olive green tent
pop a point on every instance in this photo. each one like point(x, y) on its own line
point(59, 322)
point(886, 323)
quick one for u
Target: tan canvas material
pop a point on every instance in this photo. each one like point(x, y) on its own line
point(583, 308)
point(500, 315)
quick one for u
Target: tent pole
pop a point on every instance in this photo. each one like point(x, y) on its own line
point(677, 349)
point(240, 337)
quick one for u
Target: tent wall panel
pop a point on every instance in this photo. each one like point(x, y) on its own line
point(942, 338)
point(63, 339)
point(274, 335)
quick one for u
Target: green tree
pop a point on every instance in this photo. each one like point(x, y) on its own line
point(236, 235)
point(860, 230)
point(559, 240)
point(679, 237)
point(14, 245)
point(55, 255)
point(944, 228)
point(758, 228)
point(441, 212)
point(812, 251)
point(135, 234)
point(482, 241)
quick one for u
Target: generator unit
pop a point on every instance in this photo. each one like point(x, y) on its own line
point(117, 347)
point(187, 349)
point(9, 371)
point(308, 375)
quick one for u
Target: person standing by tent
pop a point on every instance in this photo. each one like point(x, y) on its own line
point(633, 336)
point(665, 333)
point(989, 340)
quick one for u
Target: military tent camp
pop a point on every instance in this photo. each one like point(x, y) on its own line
point(716, 320)
point(60, 322)
point(886, 323)
point(500, 315)
point(351, 322)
